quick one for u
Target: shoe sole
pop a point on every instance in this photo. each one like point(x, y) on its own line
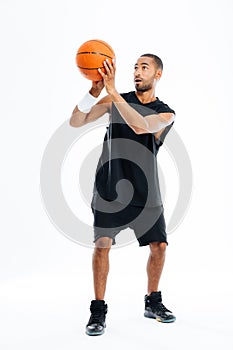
point(94, 334)
point(158, 318)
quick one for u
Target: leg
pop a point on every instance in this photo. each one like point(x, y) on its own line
point(155, 265)
point(100, 265)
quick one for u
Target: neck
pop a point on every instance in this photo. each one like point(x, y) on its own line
point(146, 96)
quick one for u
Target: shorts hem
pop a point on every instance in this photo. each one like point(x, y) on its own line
point(143, 244)
point(113, 239)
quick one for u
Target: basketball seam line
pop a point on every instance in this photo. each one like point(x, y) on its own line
point(105, 44)
point(89, 68)
point(93, 52)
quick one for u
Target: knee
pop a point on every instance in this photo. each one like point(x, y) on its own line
point(103, 242)
point(158, 247)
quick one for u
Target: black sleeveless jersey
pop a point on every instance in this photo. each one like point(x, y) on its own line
point(128, 156)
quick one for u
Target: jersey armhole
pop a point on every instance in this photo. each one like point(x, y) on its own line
point(161, 138)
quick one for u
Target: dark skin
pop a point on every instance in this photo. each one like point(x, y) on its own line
point(100, 265)
point(146, 76)
point(156, 258)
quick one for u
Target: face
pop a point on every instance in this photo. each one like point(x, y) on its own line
point(145, 74)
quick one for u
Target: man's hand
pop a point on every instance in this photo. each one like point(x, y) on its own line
point(97, 87)
point(109, 77)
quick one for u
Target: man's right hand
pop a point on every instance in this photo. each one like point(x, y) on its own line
point(97, 87)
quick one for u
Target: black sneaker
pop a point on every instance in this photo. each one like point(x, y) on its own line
point(155, 309)
point(96, 322)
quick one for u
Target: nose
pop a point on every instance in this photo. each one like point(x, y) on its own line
point(137, 73)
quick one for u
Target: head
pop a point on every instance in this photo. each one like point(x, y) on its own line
point(147, 72)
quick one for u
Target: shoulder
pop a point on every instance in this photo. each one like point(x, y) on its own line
point(162, 107)
point(129, 96)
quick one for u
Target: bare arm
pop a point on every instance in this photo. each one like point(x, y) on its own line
point(79, 118)
point(138, 123)
point(155, 123)
point(142, 125)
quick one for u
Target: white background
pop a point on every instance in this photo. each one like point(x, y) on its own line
point(46, 279)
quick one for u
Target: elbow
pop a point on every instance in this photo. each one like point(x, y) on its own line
point(77, 119)
point(171, 119)
point(72, 119)
point(71, 123)
point(76, 122)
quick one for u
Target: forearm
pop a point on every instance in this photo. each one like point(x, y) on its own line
point(129, 114)
point(141, 125)
point(80, 112)
point(98, 110)
point(138, 123)
point(78, 118)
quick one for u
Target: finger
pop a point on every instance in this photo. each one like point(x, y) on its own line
point(101, 73)
point(114, 63)
point(110, 66)
point(106, 66)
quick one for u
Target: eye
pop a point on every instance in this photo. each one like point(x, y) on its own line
point(144, 67)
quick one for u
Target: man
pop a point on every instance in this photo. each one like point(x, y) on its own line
point(139, 117)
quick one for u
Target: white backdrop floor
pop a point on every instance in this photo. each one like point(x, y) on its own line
point(46, 313)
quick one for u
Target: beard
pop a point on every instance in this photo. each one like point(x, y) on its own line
point(144, 87)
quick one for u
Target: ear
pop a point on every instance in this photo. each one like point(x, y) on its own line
point(158, 74)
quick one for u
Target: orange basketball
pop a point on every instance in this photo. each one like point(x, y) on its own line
point(90, 57)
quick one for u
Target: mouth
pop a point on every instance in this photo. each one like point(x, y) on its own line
point(137, 80)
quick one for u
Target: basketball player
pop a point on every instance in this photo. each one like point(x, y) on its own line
point(142, 117)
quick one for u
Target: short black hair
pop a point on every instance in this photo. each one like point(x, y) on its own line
point(156, 59)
